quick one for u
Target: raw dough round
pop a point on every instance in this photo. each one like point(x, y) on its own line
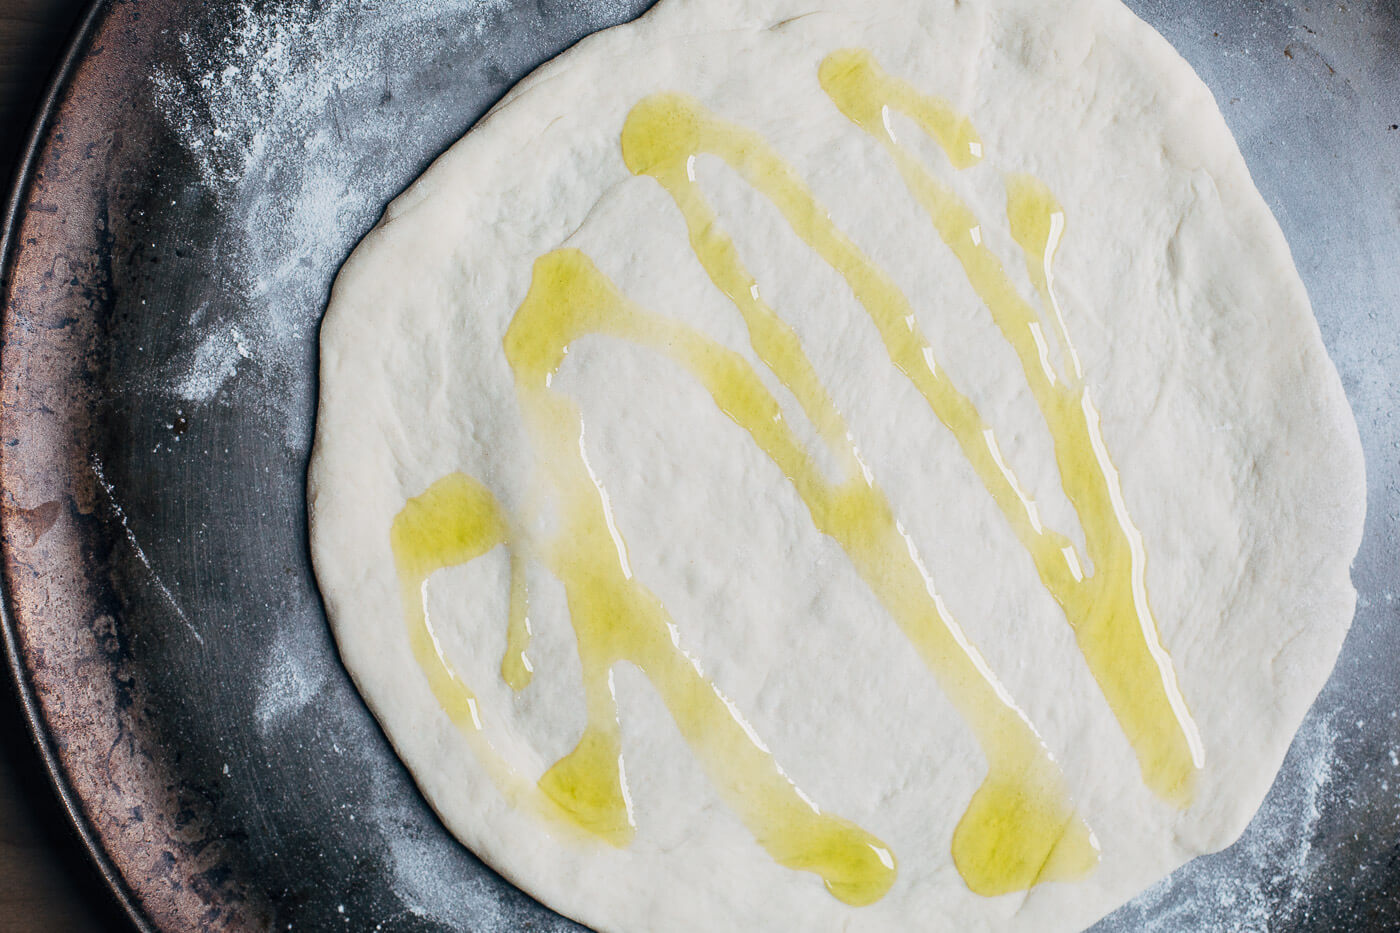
point(1239, 460)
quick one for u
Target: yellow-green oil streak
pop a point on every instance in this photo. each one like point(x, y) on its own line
point(1020, 828)
point(1106, 604)
point(458, 520)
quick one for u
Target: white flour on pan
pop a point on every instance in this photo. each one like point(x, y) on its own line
point(263, 112)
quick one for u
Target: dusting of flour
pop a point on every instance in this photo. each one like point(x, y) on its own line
point(290, 115)
point(1263, 880)
point(289, 683)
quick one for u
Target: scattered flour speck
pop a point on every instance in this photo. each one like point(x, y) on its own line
point(215, 363)
point(1264, 878)
point(417, 864)
point(288, 684)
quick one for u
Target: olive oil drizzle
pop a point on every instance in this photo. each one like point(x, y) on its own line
point(516, 669)
point(458, 520)
point(454, 522)
point(1106, 603)
point(616, 618)
point(1020, 828)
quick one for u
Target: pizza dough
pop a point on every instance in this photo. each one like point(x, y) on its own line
point(894, 431)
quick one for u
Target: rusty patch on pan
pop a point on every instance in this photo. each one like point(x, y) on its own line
point(66, 620)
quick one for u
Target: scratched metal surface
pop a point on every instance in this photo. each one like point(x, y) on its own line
point(204, 169)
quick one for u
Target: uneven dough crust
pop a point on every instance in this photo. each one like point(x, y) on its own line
point(1239, 457)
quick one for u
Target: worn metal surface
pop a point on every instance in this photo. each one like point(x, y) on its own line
point(170, 252)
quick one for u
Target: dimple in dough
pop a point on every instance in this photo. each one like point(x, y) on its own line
point(870, 467)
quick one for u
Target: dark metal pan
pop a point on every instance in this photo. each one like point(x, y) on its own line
point(199, 173)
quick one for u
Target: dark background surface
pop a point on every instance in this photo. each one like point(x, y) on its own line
point(47, 882)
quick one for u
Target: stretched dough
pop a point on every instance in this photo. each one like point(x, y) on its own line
point(1230, 444)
